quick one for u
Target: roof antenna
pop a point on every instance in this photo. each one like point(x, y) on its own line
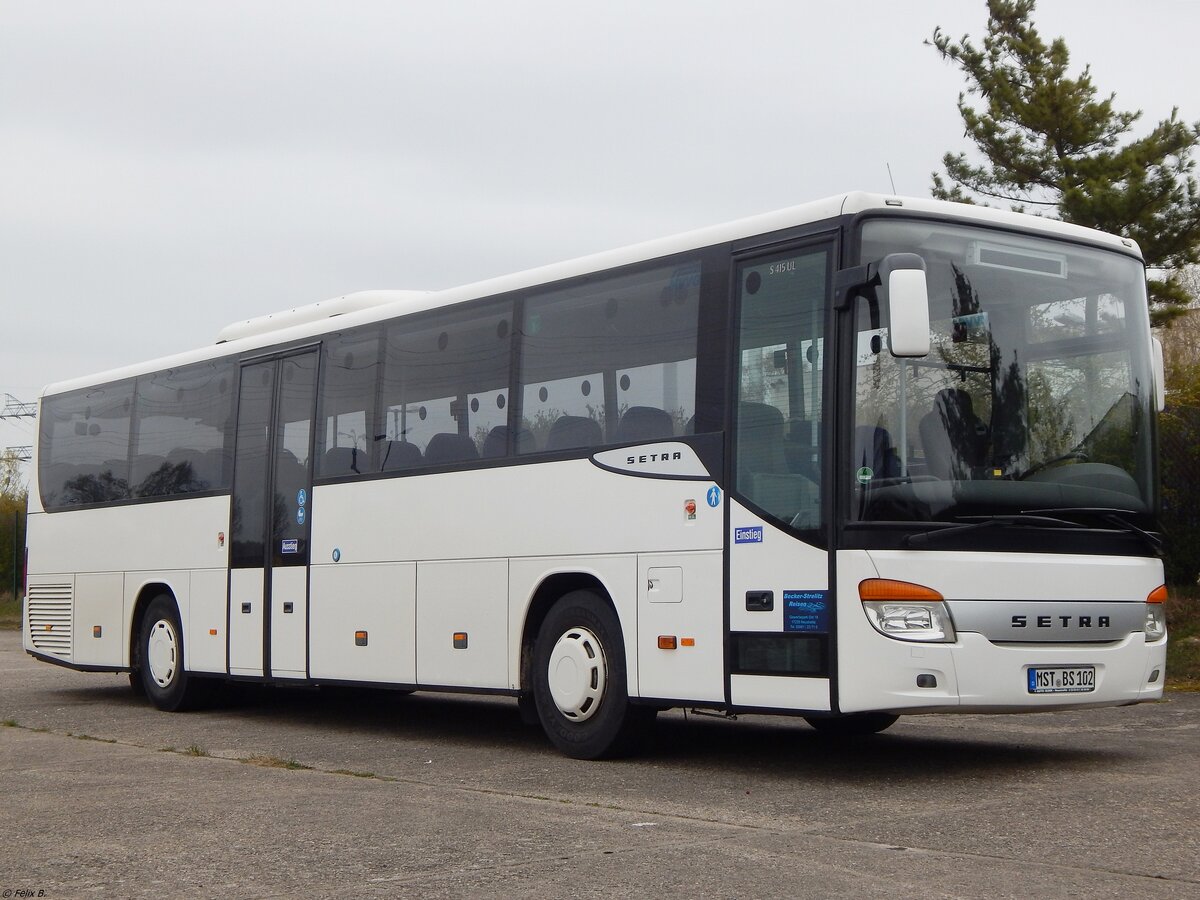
point(890, 178)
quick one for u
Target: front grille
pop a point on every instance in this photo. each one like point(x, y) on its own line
point(49, 610)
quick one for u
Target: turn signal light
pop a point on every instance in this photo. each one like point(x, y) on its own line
point(666, 642)
point(1158, 595)
point(887, 589)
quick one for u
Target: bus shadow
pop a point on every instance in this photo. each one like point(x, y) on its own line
point(791, 748)
point(783, 747)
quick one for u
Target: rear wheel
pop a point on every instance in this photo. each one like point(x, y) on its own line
point(160, 659)
point(580, 681)
point(852, 725)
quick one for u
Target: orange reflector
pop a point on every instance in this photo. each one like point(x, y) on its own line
point(97, 631)
point(666, 642)
point(687, 642)
point(887, 589)
point(48, 628)
point(1158, 595)
point(212, 631)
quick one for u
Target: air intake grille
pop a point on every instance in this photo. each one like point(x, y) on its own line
point(50, 618)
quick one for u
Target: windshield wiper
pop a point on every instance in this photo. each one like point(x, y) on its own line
point(1113, 517)
point(997, 521)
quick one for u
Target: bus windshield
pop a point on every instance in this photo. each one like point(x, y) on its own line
point(1036, 395)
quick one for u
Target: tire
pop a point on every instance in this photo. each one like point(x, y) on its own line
point(852, 725)
point(160, 659)
point(580, 684)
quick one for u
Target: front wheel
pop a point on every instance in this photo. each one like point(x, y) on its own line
point(160, 658)
point(852, 725)
point(580, 682)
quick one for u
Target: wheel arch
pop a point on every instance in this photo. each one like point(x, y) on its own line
point(549, 591)
point(145, 596)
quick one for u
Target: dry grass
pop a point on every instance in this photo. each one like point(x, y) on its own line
point(274, 762)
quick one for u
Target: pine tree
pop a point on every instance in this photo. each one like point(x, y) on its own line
point(1050, 145)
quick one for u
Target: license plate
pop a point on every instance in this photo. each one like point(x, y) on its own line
point(1062, 680)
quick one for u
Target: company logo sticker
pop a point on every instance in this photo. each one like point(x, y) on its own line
point(806, 611)
point(291, 546)
point(752, 534)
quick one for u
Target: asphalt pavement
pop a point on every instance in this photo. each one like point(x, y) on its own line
point(307, 793)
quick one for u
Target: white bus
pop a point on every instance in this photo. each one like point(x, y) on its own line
point(861, 458)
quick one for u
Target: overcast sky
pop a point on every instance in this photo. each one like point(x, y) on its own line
point(167, 168)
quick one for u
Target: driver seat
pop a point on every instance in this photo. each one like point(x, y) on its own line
point(954, 438)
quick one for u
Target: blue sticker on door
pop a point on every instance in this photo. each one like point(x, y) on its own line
point(806, 611)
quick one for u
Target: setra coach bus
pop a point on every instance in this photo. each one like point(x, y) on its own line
point(866, 457)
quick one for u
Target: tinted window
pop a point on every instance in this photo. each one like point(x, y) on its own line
point(84, 446)
point(349, 384)
point(250, 470)
point(182, 425)
point(445, 387)
point(611, 360)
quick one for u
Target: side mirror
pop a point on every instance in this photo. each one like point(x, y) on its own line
point(1160, 374)
point(902, 280)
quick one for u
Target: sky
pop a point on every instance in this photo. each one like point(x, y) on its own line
point(167, 168)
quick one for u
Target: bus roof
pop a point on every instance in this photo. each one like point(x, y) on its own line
point(369, 306)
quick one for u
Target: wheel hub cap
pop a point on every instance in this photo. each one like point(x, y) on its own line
point(162, 653)
point(578, 674)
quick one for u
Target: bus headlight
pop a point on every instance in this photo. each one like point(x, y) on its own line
point(907, 612)
point(1156, 616)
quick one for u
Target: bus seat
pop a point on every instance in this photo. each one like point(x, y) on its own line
point(873, 449)
point(495, 444)
point(569, 432)
point(798, 448)
point(399, 455)
point(644, 423)
point(953, 437)
point(144, 468)
point(341, 461)
point(216, 467)
point(794, 498)
point(760, 445)
point(449, 447)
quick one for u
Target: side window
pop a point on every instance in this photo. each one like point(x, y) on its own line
point(182, 423)
point(348, 433)
point(445, 388)
point(782, 302)
point(84, 446)
point(611, 360)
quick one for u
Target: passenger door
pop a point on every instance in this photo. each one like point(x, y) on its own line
point(272, 490)
point(780, 607)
